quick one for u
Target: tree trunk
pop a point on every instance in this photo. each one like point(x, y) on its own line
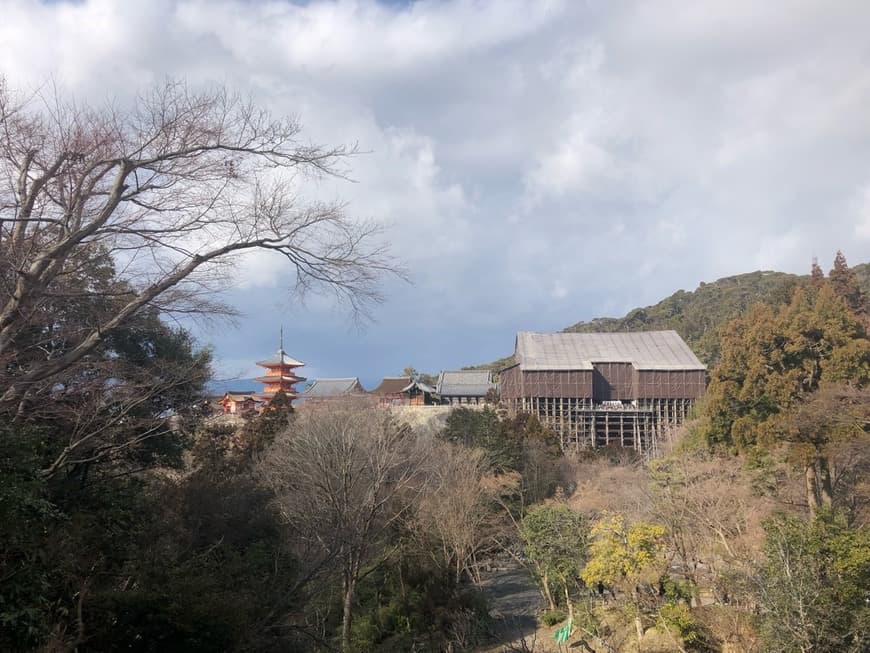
point(826, 491)
point(568, 602)
point(812, 488)
point(347, 607)
point(547, 593)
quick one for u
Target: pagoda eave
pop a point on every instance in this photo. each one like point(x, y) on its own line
point(271, 380)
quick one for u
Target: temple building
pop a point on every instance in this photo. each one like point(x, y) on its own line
point(280, 375)
point(239, 403)
point(403, 391)
point(600, 389)
point(327, 389)
point(465, 386)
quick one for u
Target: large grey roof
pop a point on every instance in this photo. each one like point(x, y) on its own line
point(464, 383)
point(646, 350)
point(323, 388)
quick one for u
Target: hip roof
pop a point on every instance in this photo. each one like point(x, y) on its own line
point(644, 350)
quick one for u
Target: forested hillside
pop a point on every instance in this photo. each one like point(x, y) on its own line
point(699, 315)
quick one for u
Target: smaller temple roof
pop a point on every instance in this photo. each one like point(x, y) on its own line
point(335, 387)
point(425, 387)
point(280, 358)
point(464, 383)
point(232, 396)
point(391, 385)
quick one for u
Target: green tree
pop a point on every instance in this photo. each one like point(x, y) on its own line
point(482, 429)
point(774, 360)
point(812, 585)
point(845, 283)
point(412, 372)
point(555, 540)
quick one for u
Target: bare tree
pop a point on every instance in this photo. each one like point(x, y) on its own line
point(344, 475)
point(458, 506)
point(167, 193)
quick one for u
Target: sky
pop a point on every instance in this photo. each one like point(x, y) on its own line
point(533, 163)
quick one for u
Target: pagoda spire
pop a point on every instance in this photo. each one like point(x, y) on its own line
point(280, 372)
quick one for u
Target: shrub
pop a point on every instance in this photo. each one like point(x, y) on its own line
point(552, 617)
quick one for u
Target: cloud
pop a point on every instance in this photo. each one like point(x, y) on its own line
point(533, 162)
point(862, 225)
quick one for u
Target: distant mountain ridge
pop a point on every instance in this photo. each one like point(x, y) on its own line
point(699, 315)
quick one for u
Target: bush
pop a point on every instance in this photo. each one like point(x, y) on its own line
point(677, 618)
point(553, 617)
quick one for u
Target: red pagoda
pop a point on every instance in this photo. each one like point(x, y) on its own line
point(280, 373)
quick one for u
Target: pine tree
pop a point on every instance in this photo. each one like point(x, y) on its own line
point(846, 285)
point(817, 276)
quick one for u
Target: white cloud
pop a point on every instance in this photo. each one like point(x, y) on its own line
point(862, 226)
point(520, 151)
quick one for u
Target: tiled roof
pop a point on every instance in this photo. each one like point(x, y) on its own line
point(280, 358)
point(464, 383)
point(646, 350)
point(336, 387)
point(238, 397)
point(391, 385)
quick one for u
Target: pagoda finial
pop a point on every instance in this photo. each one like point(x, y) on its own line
point(281, 349)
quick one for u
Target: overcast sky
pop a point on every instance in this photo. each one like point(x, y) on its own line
point(535, 162)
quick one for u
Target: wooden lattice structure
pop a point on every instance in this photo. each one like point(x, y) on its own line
point(600, 389)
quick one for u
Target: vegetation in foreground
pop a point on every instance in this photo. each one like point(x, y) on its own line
point(129, 521)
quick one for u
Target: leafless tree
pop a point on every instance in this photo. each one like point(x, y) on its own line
point(457, 507)
point(167, 192)
point(344, 475)
point(712, 515)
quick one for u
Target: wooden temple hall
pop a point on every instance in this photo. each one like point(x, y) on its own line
point(598, 389)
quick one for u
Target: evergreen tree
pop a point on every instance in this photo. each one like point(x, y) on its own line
point(812, 586)
point(817, 276)
point(846, 285)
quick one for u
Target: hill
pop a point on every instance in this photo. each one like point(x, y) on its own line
point(698, 315)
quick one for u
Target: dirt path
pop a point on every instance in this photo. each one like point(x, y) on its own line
point(514, 602)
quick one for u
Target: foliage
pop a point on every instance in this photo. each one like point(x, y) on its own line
point(812, 585)
point(553, 616)
point(623, 555)
point(772, 358)
point(847, 285)
point(793, 376)
point(423, 377)
point(699, 315)
point(678, 619)
point(209, 570)
point(554, 539)
point(408, 603)
point(520, 443)
point(482, 429)
point(27, 591)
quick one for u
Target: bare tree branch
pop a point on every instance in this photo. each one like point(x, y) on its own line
point(169, 191)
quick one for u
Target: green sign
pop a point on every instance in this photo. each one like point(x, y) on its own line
point(562, 634)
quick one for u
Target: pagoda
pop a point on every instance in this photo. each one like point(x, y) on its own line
point(280, 373)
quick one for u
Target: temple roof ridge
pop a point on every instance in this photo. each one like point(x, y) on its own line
point(280, 358)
